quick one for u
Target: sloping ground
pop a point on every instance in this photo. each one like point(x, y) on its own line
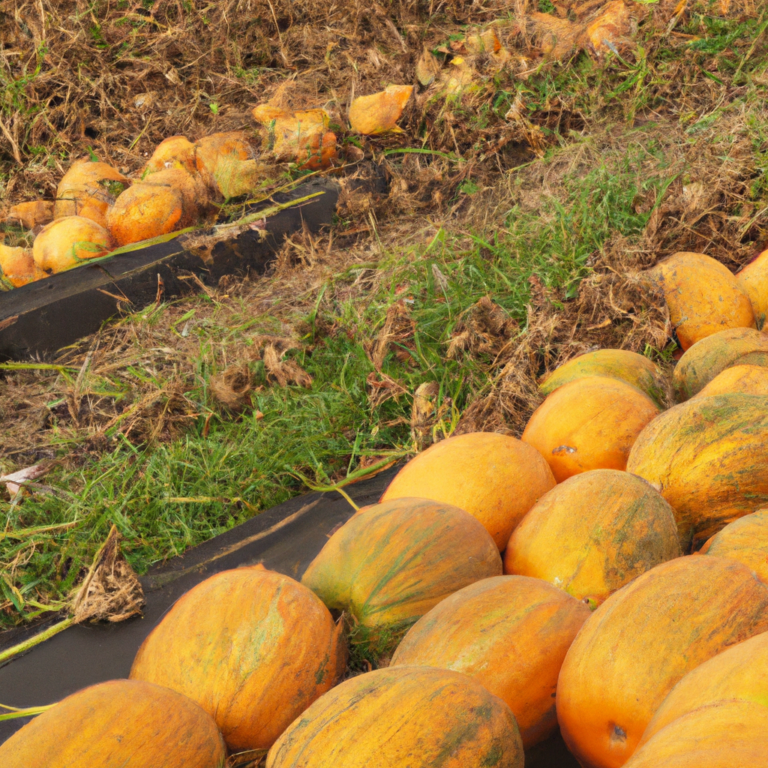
point(510, 239)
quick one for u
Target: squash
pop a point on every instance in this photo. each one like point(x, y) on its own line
point(411, 717)
point(708, 458)
point(393, 562)
point(589, 423)
point(36, 213)
point(511, 634)
point(754, 280)
point(640, 643)
point(703, 297)
point(173, 152)
point(496, 478)
point(228, 164)
point(730, 734)
point(709, 357)
point(379, 112)
point(744, 379)
point(302, 137)
point(738, 673)
point(621, 364)
point(66, 243)
point(18, 267)
point(593, 534)
point(89, 189)
point(123, 723)
point(745, 540)
point(252, 647)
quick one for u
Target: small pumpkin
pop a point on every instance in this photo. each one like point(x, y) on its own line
point(379, 112)
point(252, 647)
point(594, 533)
point(89, 189)
point(228, 164)
point(496, 478)
point(754, 280)
point(745, 540)
point(18, 267)
point(743, 379)
point(36, 213)
point(302, 137)
point(66, 243)
point(511, 634)
point(403, 716)
point(641, 642)
point(124, 723)
point(589, 423)
point(173, 152)
point(703, 297)
point(393, 562)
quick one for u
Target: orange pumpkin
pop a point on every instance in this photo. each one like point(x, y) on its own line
point(119, 723)
point(66, 243)
point(702, 455)
point(228, 164)
point(379, 112)
point(640, 643)
point(589, 423)
point(709, 357)
point(174, 152)
point(621, 364)
point(511, 634)
point(298, 136)
point(593, 534)
point(414, 717)
point(745, 540)
point(252, 647)
point(754, 280)
point(17, 266)
point(89, 189)
point(495, 478)
point(393, 562)
point(36, 213)
point(703, 297)
point(744, 379)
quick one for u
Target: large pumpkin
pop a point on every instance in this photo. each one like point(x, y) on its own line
point(18, 267)
point(709, 458)
point(729, 735)
point(89, 189)
point(593, 534)
point(394, 561)
point(66, 243)
point(754, 280)
point(511, 634)
point(621, 364)
point(740, 672)
point(744, 379)
point(228, 164)
point(173, 152)
point(590, 423)
point(252, 647)
point(124, 723)
point(705, 360)
point(637, 645)
point(410, 717)
point(703, 297)
point(745, 540)
point(495, 478)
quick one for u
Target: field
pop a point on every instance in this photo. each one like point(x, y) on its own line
point(522, 206)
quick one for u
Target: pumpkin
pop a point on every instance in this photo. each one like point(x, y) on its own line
point(640, 643)
point(593, 534)
point(252, 647)
point(124, 723)
point(164, 202)
point(621, 364)
point(379, 112)
point(496, 478)
point(393, 562)
point(709, 357)
point(703, 297)
point(511, 634)
point(744, 379)
point(739, 673)
point(728, 735)
point(300, 137)
point(89, 189)
point(17, 266)
point(708, 458)
point(589, 423)
point(754, 280)
point(404, 716)
point(173, 152)
point(33, 214)
point(745, 540)
point(66, 243)
point(227, 164)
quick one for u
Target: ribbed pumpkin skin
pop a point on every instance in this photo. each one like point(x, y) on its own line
point(593, 534)
point(729, 735)
point(745, 540)
point(754, 280)
point(65, 243)
point(123, 723)
point(495, 478)
point(705, 360)
point(511, 634)
point(741, 673)
point(89, 189)
point(409, 717)
point(641, 641)
point(708, 456)
point(703, 297)
point(621, 364)
point(743, 379)
point(252, 647)
point(393, 562)
point(590, 423)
